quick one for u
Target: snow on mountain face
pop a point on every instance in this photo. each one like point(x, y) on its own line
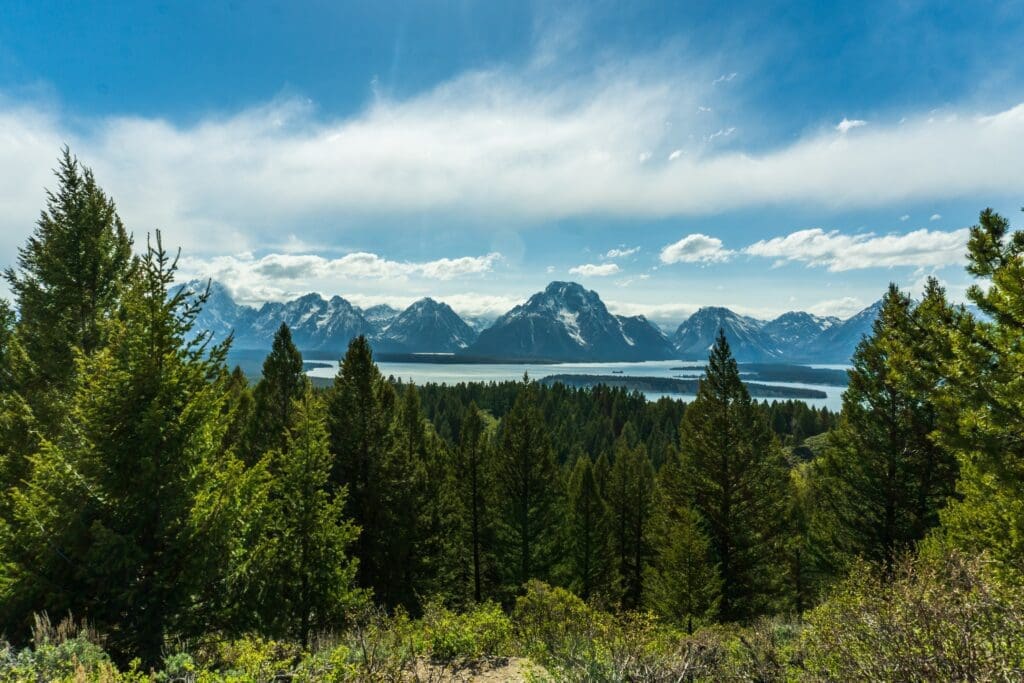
point(795, 329)
point(380, 315)
point(220, 315)
point(746, 336)
point(568, 322)
point(837, 343)
point(315, 323)
point(427, 326)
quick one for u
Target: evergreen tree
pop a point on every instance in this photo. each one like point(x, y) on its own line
point(238, 412)
point(308, 572)
point(403, 507)
point(732, 463)
point(589, 546)
point(529, 493)
point(885, 476)
point(131, 510)
point(283, 382)
point(70, 279)
point(681, 582)
point(360, 409)
point(473, 478)
point(630, 498)
point(982, 411)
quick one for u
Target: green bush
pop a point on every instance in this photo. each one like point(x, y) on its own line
point(943, 616)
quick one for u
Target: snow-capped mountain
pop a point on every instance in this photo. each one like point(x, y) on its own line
point(795, 329)
point(380, 315)
point(316, 323)
point(220, 315)
point(564, 322)
point(747, 337)
point(837, 343)
point(427, 326)
point(568, 322)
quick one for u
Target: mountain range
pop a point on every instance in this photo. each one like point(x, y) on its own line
point(565, 322)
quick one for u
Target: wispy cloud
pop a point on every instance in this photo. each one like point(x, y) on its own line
point(935, 217)
point(839, 252)
point(695, 248)
point(846, 125)
point(843, 307)
point(724, 78)
point(621, 252)
point(595, 270)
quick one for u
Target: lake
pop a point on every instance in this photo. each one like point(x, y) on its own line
point(453, 373)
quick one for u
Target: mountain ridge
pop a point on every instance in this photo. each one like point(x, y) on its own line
point(564, 322)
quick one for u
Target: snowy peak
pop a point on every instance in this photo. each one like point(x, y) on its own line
point(380, 315)
point(427, 326)
point(747, 337)
point(568, 322)
point(797, 328)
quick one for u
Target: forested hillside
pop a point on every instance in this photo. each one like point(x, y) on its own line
point(184, 524)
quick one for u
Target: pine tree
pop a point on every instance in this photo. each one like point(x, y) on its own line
point(681, 583)
point(70, 279)
point(283, 382)
point(734, 468)
point(529, 492)
point(360, 412)
point(238, 412)
point(981, 407)
point(473, 478)
point(308, 572)
point(885, 476)
point(132, 509)
point(587, 540)
point(630, 498)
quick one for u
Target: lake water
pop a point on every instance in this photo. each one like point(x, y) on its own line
point(453, 373)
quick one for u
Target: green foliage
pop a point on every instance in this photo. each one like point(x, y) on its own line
point(733, 467)
point(116, 503)
point(589, 565)
point(303, 554)
point(69, 282)
point(943, 617)
point(283, 382)
point(884, 475)
point(530, 493)
point(983, 414)
point(683, 585)
point(630, 497)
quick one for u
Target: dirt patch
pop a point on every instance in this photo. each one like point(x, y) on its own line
point(515, 669)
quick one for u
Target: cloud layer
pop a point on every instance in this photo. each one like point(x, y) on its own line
point(494, 143)
point(839, 252)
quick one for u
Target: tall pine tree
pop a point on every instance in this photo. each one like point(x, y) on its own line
point(733, 465)
point(589, 552)
point(630, 498)
point(530, 493)
point(132, 508)
point(283, 382)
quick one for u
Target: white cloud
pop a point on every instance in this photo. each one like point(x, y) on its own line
point(695, 248)
point(276, 277)
point(724, 78)
point(621, 252)
point(839, 252)
point(722, 133)
point(935, 217)
point(843, 307)
point(846, 125)
point(466, 303)
point(904, 218)
point(595, 270)
point(528, 146)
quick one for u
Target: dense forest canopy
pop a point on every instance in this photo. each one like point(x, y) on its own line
point(151, 491)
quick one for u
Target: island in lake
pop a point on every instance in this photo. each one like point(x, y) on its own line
point(672, 385)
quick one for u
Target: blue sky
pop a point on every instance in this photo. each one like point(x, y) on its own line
point(763, 156)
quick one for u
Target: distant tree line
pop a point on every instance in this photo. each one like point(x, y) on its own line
point(149, 489)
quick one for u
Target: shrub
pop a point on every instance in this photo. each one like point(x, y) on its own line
point(943, 616)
